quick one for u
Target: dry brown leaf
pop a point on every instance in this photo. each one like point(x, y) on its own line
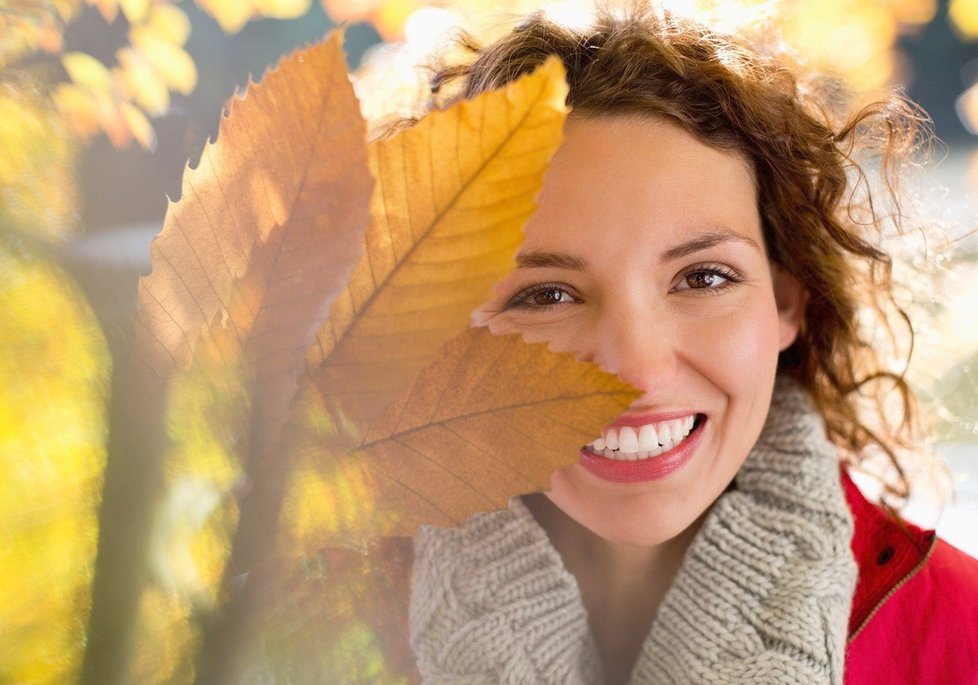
point(452, 195)
point(493, 417)
point(288, 158)
point(269, 227)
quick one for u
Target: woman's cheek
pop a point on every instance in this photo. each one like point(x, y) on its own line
point(741, 345)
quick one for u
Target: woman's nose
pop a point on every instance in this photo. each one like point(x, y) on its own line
point(638, 344)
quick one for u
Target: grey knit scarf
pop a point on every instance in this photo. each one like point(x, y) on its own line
point(763, 594)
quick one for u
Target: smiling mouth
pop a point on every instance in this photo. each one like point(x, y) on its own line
point(637, 443)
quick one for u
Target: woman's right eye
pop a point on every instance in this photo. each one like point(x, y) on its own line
point(541, 297)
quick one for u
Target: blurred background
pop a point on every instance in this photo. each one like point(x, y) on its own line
point(102, 105)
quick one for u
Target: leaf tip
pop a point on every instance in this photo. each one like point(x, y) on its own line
point(548, 82)
point(331, 43)
point(555, 82)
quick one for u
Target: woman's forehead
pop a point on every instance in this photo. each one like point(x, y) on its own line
point(641, 178)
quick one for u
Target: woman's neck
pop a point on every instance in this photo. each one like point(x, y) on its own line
point(621, 585)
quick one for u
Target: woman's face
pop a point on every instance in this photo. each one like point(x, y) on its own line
point(646, 256)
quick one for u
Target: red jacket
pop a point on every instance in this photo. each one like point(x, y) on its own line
point(915, 612)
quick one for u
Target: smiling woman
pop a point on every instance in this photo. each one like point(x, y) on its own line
point(697, 235)
point(662, 279)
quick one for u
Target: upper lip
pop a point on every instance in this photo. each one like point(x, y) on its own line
point(633, 419)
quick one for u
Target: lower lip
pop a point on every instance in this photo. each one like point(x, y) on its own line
point(653, 468)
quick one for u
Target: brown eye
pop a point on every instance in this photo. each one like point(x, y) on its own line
point(542, 297)
point(703, 279)
point(710, 279)
point(545, 298)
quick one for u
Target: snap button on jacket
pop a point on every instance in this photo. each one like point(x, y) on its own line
point(914, 615)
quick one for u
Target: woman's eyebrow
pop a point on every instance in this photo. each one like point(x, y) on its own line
point(706, 239)
point(552, 260)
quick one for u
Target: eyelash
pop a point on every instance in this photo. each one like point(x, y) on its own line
point(731, 277)
point(521, 300)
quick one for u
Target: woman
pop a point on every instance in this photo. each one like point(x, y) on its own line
point(697, 235)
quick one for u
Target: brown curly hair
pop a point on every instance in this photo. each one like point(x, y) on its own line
point(818, 218)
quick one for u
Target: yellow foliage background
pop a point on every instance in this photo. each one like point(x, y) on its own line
point(54, 365)
point(52, 437)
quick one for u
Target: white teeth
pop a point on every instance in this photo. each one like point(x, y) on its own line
point(677, 429)
point(665, 433)
point(627, 439)
point(628, 443)
point(647, 438)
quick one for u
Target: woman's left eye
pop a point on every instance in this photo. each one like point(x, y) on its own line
point(710, 278)
point(540, 297)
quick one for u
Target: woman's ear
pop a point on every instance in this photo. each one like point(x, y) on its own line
point(790, 296)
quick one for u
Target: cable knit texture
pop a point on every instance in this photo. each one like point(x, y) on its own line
point(763, 594)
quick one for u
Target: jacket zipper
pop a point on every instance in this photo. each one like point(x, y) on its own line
point(903, 581)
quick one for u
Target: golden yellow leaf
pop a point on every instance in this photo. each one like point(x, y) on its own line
point(467, 435)
point(491, 418)
point(964, 17)
point(87, 71)
point(114, 124)
point(135, 10)
point(167, 59)
point(139, 126)
point(282, 9)
point(169, 22)
point(142, 82)
point(79, 107)
point(452, 195)
point(231, 15)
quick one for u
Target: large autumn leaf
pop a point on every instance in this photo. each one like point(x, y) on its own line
point(493, 417)
point(452, 196)
point(453, 193)
point(289, 158)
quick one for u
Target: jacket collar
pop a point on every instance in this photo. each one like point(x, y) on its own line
point(888, 551)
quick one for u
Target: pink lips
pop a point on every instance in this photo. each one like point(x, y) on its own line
point(653, 468)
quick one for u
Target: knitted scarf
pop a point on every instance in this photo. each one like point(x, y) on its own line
point(762, 596)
